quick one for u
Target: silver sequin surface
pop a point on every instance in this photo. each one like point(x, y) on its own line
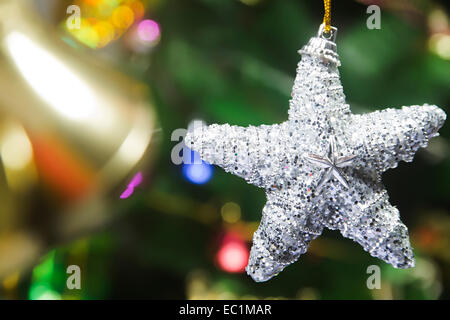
point(301, 201)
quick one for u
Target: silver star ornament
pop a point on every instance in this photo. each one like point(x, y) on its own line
point(321, 168)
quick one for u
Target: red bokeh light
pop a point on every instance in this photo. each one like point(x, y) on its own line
point(233, 254)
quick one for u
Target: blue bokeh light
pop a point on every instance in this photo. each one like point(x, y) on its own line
point(197, 173)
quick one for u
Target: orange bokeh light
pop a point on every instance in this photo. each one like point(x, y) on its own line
point(138, 9)
point(122, 17)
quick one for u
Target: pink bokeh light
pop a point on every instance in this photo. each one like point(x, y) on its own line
point(137, 180)
point(149, 30)
point(233, 254)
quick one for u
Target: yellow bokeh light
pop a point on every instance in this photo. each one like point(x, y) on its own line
point(86, 34)
point(93, 2)
point(138, 9)
point(122, 17)
point(16, 150)
point(104, 21)
point(105, 32)
point(11, 281)
point(440, 44)
point(231, 212)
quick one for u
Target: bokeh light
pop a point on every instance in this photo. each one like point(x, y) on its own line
point(136, 181)
point(197, 173)
point(41, 287)
point(105, 31)
point(122, 17)
point(138, 9)
point(149, 30)
point(231, 212)
point(233, 254)
point(194, 169)
point(104, 21)
point(43, 292)
point(440, 44)
point(15, 148)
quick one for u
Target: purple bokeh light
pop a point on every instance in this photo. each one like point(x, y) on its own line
point(137, 180)
point(149, 30)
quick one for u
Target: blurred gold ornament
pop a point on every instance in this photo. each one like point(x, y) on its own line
point(71, 129)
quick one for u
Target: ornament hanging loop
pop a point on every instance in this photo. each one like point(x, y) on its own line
point(327, 16)
point(331, 35)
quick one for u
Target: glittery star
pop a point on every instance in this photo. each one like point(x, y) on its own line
point(282, 159)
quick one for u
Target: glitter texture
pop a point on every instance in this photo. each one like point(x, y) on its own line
point(322, 167)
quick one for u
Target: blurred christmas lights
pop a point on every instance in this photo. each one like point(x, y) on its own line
point(43, 292)
point(17, 157)
point(197, 173)
point(144, 36)
point(233, 254)
point(149, 30)
point(231, 212)
point(136, 181)
point(41, 287)
point(103, 21)
point(11, 281)
point(439, 43)
point(122, 17)
point(15, 148)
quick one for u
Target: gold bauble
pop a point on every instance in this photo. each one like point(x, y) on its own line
point(71, 130)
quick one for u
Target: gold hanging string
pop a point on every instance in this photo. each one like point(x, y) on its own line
point(327, 16)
